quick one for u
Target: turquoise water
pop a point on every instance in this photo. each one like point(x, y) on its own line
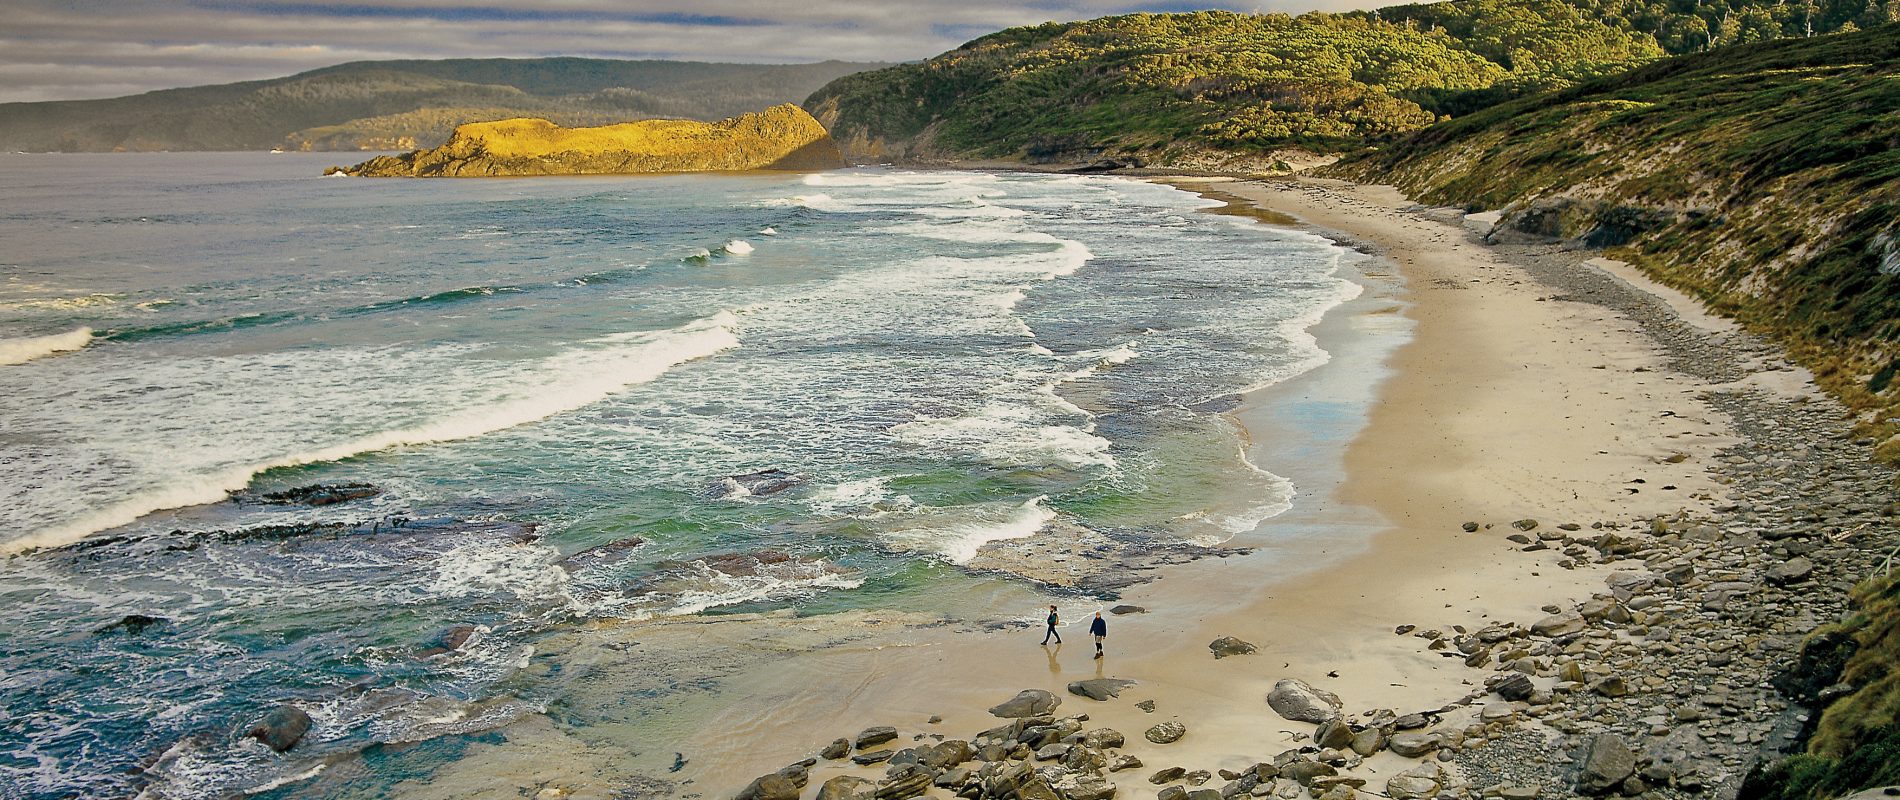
point(941, 359)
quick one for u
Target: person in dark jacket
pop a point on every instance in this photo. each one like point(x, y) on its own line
point(1098, 629)
point(1053, 620)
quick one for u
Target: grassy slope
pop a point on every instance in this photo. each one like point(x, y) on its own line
point(1763, 178)
point(385, 100)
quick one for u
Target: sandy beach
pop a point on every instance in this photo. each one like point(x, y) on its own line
point(1501, 402)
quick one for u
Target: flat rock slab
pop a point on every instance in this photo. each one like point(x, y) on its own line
point(1100, 688)
point(1027, 703)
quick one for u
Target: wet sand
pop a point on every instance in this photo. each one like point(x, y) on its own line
point(1490, 401)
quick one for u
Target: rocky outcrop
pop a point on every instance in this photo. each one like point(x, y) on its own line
point(781, 137)
point(282, 728)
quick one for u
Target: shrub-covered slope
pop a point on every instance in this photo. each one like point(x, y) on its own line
point(1763, 178)
point(406, 104)
point(1179, 87)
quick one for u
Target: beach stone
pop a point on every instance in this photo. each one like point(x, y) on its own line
point(911, 781)
point(1146, 706)
point(1557, 625)
point(847, 787)
point(1122, 762)
point(1052, 752)
point(1525, 524)
point(1794, 570)
point(1084, 787)
point(1127, 609)
point(954, 778)
point(839, 748)
point(1167, 775)
point(1204, 794)
point(876, 736)
point(1607, 762)
point(1027, 703)
point(1368, 741)
point(1334, 733)
point(1172, 793)
point(1166, 733)
point(946, 754)
point(1412, 745)
point(1104, 738)
point(770, 787)
point(1519, 792)
point(1100, 688)
point(1229, 646)
point(1304, 772)
point(1299, 701)
point(1470, 527)
point(873, 757)
point(282, 728)
point(1418, 783)
point(1512, 686)
point(1410, 722)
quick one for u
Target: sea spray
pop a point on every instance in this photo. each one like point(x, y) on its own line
point(20, 351)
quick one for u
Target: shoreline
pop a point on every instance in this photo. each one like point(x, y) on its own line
point(1509, 402)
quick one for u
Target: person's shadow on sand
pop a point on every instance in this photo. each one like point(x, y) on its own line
point(1055, 667)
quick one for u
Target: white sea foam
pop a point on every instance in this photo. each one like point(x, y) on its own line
point(1011, 434)
point(958, 541)
point(576, 378)
point(768, 231)
point(20, 351)
point(737, 247)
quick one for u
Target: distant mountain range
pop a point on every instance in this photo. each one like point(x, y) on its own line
point(403, 105)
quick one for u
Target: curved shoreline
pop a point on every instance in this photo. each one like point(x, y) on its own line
point(1509, 401)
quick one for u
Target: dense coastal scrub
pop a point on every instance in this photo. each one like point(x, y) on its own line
point(401, 105)
point(1168, 88)
point(1764, 179)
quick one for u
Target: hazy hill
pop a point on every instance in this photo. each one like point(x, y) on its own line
point(407, 104)
point(1192, 89)
point(1764, 178)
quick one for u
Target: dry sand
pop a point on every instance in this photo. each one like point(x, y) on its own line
point(1504, 404)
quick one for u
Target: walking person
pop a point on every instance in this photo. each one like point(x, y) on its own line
point(1053, 620)
point(1098, 629)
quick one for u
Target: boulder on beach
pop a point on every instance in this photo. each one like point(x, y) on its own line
point(870, 737)
point(1607, 762)
point(1100, 688)
point(1229, 646)
point(1166, 733)
point(1027, 703)
point(1299, 701)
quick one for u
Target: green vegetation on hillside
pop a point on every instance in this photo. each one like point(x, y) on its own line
point(1762, 178)
point(1856, 744)
point(1166, 87)
point(406, 104)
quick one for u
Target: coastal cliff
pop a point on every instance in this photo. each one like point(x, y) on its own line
point(781, 137)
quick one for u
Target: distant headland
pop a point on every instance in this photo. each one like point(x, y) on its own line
point(780, 137)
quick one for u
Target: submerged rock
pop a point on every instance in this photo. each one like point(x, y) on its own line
point(321, 494)
point(764, 483)
point(132, 625)
point(780, 137)
point(282, 728)
point(601, 555)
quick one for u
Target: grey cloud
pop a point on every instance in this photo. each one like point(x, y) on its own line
point(73, 50)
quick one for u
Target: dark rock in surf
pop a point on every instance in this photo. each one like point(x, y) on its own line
point(282, 728)
point(764, 483)
point(601, 555)
point(450, 639)
point(132, 625)
point(321, 494)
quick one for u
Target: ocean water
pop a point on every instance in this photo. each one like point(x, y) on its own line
point(527, 369)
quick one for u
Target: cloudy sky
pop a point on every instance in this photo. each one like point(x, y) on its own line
point(76, 49)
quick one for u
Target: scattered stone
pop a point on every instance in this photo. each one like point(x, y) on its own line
point(1299, 701)
point(1167, 775)
point(1126, 609)
point(1166, 733)
point(1514, 686)
point(847, 787)
point(1027, 703)
point(1412, 745)
point(873, 757)
point(870, 737)
point(1470, 527)
point(1557, 625)
point(1607, 763)
point(1525, 524)
point(839, 748)
point(1229, 646)
point(770, 787)
point(1146, 705)
point(1418, 783)
point(1334, 733)
point(1794, 570)
point(1100, 688)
